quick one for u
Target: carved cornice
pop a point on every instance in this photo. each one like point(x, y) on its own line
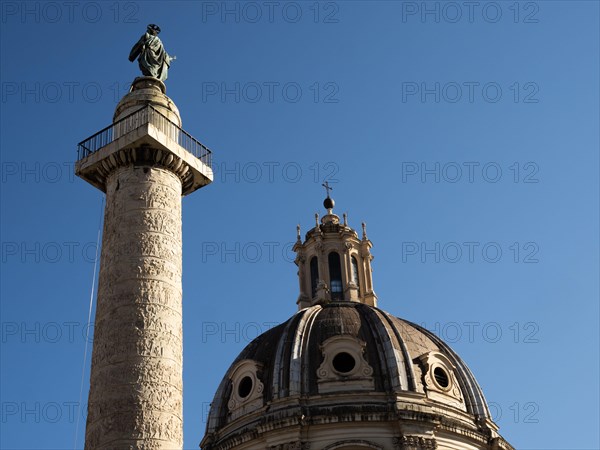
point(414, 443)
point(291, 446)
point(142, 156)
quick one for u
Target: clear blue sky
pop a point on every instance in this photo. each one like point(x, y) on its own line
point(467, 139)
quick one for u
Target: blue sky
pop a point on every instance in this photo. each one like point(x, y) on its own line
point(467, 139)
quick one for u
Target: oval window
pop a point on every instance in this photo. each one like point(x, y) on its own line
point(441, 377)
point(343, 362)
point(245, 387)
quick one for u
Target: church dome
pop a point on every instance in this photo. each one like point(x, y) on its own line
point(343, 374)
point(347, 365)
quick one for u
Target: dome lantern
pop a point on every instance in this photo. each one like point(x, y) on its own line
point(333, 263)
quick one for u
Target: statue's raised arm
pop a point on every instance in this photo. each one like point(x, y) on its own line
point(152, 57)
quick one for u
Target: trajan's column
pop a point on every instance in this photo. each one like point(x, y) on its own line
point(145, 163)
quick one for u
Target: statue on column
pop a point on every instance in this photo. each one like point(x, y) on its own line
point(152, 57)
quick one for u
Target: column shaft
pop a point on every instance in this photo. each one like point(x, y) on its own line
point(136, 386)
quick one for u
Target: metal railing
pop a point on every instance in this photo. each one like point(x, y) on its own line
point(147, 114)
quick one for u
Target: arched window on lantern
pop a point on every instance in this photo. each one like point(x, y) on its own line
point(314, 275)
point(335, 277)
point(355, 272)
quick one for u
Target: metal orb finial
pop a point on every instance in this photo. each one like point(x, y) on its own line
point(328, 203)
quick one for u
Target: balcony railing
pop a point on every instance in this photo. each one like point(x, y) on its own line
point(147, 114)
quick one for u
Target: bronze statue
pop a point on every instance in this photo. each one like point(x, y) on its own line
point(152, 57)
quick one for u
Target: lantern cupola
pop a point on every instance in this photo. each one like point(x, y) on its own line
point(334, 264)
